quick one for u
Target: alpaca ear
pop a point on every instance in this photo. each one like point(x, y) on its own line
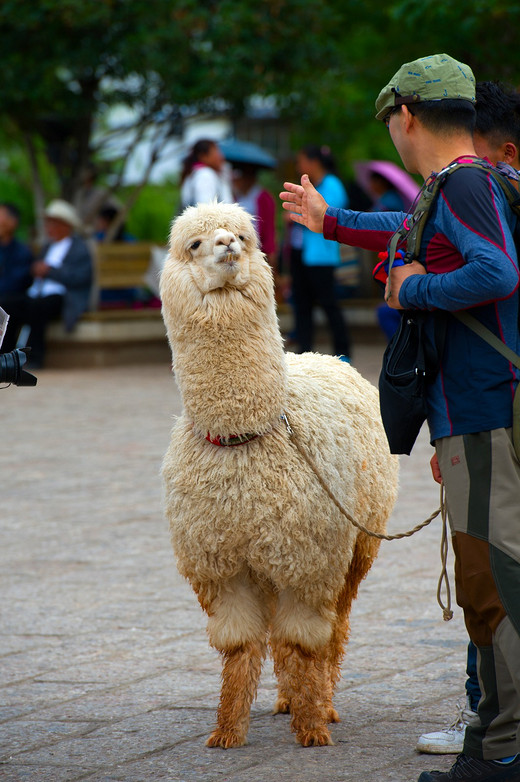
point(179, 246)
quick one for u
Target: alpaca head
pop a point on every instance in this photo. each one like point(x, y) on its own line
point(219, 309)
point(215, 243)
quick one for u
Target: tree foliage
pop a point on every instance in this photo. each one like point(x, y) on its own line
point(67, 61)
point(338, 106)
point(70, 59)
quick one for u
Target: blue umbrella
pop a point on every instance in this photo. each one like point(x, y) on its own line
point(246, 152)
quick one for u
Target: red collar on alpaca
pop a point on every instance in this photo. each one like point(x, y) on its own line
point(233, 439)
point(242, 439)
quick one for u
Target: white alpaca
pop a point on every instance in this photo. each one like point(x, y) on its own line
point(270, 557)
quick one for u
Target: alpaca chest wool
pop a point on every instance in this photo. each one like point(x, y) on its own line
point(261, 501)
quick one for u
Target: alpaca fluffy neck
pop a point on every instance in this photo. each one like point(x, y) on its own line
point(229, 364)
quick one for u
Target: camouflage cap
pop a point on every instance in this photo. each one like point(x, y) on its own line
point(435, 77)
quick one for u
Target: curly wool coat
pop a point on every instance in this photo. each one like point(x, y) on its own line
point(270, 557)
point(258, 507)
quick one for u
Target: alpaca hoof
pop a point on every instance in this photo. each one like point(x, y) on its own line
point(319, 737)
point(332, 715)
point(282, 706)
point(225, 739)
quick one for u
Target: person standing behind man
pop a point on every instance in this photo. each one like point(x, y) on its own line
point(497, 129)
point(497, 139)
point(312, 275)
point(15, 265)
point(204, 176)
point(467, 259)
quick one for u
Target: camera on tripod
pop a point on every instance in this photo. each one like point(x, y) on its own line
point(11, 368)
point(11, 364)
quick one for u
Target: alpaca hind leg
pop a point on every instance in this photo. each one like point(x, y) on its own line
point(240, 675)
point(303, 675)
point(364, 554)
point(281, 653)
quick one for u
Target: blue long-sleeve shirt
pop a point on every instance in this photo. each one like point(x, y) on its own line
point(471, 262)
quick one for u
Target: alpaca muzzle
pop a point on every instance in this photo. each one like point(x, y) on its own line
point(227, 248)
point(229, 256)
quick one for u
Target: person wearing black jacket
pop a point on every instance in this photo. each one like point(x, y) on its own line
point(15, 264)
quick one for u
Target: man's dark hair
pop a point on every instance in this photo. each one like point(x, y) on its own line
point(498, 112)
point(12, 209)
point(445, 116)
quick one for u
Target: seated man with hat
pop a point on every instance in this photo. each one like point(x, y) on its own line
point(62, 279)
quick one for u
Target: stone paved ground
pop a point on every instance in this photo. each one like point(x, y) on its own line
point(106, 674)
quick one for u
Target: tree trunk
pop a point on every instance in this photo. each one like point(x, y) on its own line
point(37, 188)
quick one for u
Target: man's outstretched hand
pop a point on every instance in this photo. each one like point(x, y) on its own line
point(305, 205)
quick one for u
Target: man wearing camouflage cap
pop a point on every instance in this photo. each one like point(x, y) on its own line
point(467, 259)
point(431, 78)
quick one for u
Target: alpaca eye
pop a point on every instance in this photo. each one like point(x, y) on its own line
point(195, 245)
point(242, 238)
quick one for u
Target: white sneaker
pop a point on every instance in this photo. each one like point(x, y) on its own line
point(451, 739)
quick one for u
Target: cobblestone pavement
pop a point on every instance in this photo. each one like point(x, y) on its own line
point(106, 674)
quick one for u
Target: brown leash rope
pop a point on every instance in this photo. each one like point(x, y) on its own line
point(447, 613)
point(446, 610)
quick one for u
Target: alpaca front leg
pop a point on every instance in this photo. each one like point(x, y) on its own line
point(300, 639)
point(305, 690)
point(281, 655)
point(240, 675)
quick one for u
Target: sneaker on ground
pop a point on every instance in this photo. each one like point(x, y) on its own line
point(450, 740)
point(466, 769)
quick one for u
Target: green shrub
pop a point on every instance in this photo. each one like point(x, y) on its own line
point(150, 217)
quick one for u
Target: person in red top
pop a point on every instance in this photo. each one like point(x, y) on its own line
point(259, 202)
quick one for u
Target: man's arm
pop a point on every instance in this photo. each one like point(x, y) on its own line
point(368, 230)
point(473, 217)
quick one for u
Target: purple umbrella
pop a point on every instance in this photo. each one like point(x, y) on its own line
point(403, 182)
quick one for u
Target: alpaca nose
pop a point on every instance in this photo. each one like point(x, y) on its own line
point(225, 240)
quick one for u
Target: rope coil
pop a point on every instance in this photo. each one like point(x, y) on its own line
point(443, 579)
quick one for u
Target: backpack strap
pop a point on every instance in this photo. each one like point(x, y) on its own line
point(484, 333)
point(411, 230)
point(413, 227)
point(475, 325)
point(511, 192)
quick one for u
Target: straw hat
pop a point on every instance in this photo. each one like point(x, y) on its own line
point(62, 210)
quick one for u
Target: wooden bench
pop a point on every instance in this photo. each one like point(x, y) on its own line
point(113, 335)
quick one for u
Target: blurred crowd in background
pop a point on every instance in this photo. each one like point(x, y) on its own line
point(53, 279)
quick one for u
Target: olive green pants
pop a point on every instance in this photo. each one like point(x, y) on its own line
point(481, 474)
